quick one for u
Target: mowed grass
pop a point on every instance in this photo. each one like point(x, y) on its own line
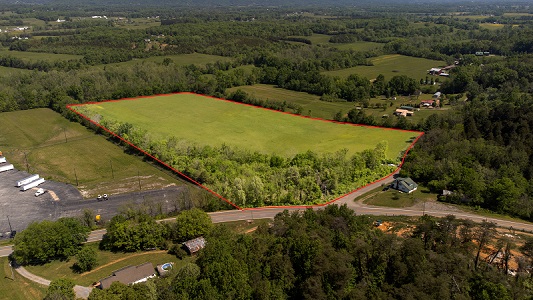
point(35, 56)
point(107, 263)
point(312, 105)
point(20, 288)
point(208, 121)
point(391, 65)
point(60, 150)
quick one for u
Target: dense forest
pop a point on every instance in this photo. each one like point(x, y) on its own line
point(488, 96)
point(334, 254)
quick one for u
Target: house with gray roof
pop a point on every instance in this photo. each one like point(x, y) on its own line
point(406, 185)
point(129, 275)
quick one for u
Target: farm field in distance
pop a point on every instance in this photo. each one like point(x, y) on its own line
point(180, 59)
point(310, 103)
point(35, 56)
point(207, 121)
point(391, 65)
point(60, 150)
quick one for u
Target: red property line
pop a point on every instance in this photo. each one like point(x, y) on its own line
point(69, 106)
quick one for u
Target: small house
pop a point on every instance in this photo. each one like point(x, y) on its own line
point(437, 95)
point(129, 275)
point(195, 245)
point(406, 185)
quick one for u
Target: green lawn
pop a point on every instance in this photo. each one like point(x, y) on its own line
point(61, 150)
point(208, 121)
point(35, 56)
point(318, 108)
point(394, 198)
point(317, 38)
point(20, 288)
point(391, 65)
point(107, 263)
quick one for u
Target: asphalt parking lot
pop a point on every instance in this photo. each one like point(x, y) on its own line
point(22, 208)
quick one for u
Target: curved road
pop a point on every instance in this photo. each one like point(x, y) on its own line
point(360, 209)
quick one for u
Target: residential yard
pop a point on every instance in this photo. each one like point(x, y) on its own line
point(391, 65)
point(43, 142)
point(20, 288)
point(208, 121)
point(107, 263)
point(394, 198)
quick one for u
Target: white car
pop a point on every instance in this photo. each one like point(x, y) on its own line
point(40, 192)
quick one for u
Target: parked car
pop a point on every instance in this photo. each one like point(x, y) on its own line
point(40, 192)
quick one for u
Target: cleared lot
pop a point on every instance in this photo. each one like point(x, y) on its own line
point(24, 208)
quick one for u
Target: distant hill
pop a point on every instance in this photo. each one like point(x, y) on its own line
point(212, 3)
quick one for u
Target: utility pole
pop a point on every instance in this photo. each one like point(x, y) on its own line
point(10, 229)
point(139, 178)
point(65, 132)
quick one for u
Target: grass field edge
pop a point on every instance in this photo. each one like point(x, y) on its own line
point(70, 107)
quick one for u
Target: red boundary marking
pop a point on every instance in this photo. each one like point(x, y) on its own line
point(420, 134)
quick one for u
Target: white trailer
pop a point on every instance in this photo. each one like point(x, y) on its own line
point(4, 168)
point(27, 180)
point(2, 160)
point(32, 184)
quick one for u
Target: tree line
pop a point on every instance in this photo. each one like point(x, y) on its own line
point(334, 254)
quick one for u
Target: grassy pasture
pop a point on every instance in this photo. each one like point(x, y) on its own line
point(491, 26)
point(391, 65)
point(358, 46)
point(208, 121)
point(316, 38)
point(35, 56)
point(6, 71)
point(20, 288)
point(318, 108)
point(180, 59)
point(138, 23)
point(61, 150)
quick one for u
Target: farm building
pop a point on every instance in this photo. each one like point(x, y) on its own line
point(195, 245)
point(129, 275)
point(429, 103)
point(437, 95)
point(403, 112)
point(406, 185)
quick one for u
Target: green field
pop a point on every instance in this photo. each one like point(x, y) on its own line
point(6, 71)
point(35, 56)
point(107, 263)
point(358, 46)
point(207, 121)
point(491, 26)
point(391, 65)
point(20, 288)
point(310, 103)
point(180, 59)
point(61, 150)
